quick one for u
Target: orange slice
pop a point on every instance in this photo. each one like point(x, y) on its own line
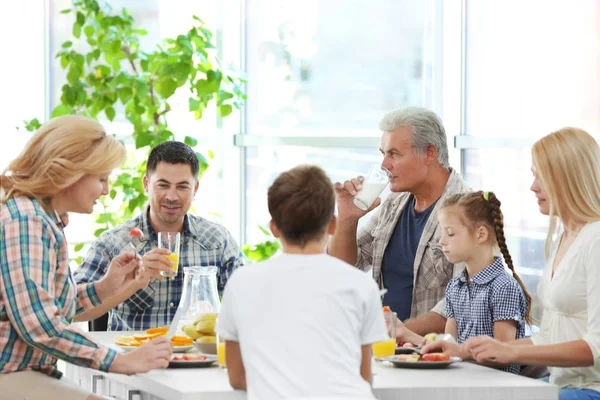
point(160, 331)
point(147, 336)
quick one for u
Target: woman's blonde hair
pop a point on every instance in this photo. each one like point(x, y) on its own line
point(60, 152)
point(568, 164)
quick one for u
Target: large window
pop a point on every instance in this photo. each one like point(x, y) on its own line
point(541, 74)
point(328, 68)
point(161, 20)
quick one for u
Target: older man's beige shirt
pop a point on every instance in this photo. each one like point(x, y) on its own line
point(431, 269)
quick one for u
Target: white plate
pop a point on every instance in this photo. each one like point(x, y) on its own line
point(176, 349)
point(420, 364)
point(209, 362)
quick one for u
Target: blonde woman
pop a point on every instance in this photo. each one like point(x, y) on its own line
point(63, 168)
point(566, 169)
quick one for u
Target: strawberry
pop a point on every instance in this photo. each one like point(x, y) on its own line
point(136, 232)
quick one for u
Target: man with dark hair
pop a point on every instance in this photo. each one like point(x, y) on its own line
point(312, 309)
point(171, 181)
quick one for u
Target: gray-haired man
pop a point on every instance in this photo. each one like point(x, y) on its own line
point(401, 239)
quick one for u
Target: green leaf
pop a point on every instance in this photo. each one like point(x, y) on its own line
point(67, 44)
point(125, 94)
point(113, 194)
point(203, 163)
point(32, 125)
point(142, 140)
point(190, 141)
point(78, 247)
point(110, 113)
point(99, 231)
point(80, 18)
point(264, 230)
point(89, 30)
point(61, 109)
point(75, 73)
point(225, 110)
point(165, 87)
point(77, 30)
point(211, 155)
point(194, 104)
point(65, 11)
point(64, 61)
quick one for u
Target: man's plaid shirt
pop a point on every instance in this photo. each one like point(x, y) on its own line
point(432, 271)
point(203, 243)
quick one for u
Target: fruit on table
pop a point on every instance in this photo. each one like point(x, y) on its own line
point(202, 328)
point(190, 357)
point(409, 357)
point(205, 327)
point(138, 339)
point(207, 339)
point(430, 337)
point(435, 357)
point(190, 330)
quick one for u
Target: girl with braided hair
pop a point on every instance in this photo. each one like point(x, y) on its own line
point(485, 299)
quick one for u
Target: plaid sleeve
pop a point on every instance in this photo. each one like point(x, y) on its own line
point(364, 242)
point(29, 259)
point(508, 303)
point(231, 259)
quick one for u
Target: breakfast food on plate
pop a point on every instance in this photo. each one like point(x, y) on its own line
point(203, 328)
point(150, 334)
point(430, 337)
point(409, 357)
point(435, 357)
point(189, 357)
point(424, 357)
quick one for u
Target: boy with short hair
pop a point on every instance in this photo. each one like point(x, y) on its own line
point(301, 324)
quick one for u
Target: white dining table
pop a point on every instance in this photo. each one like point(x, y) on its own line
point(464, 381)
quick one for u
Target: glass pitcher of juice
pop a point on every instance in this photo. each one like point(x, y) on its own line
point(200, 302)
point(387, 347)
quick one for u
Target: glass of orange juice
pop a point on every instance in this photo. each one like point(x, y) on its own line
point(171, 242)
point(387, 347)
point(221, 352)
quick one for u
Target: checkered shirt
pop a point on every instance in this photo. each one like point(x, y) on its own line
point(38, 296)
point(203, 243)
point(478, 302)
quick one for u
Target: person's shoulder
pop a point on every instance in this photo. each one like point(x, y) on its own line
point(456, 183)
point(592, 230)
point(209, 234)
point(347, 273)
point(505, 284)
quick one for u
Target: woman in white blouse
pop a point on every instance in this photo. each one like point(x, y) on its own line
point(566, 169)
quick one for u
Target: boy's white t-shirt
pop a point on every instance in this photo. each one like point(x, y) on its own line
point(301, 321)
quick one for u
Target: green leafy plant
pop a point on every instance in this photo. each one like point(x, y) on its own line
point(263, 250)
point(109, 75)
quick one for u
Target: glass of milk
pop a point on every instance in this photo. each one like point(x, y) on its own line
point(374, 183)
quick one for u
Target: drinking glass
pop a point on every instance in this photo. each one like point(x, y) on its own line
point(170, 241)
point(374, 183)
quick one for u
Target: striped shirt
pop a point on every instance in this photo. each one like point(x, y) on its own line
point(38, 296)
point(203, 243)
point(476, 303)
point(432, 271)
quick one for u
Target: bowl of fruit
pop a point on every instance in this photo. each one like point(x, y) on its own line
point(202, 331)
